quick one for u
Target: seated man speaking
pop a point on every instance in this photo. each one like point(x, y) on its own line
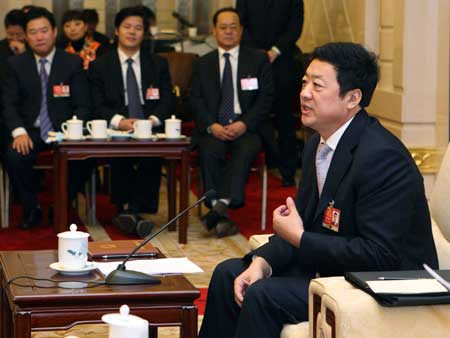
point(231, 97)
point(361, 206)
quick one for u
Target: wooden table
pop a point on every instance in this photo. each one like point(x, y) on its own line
point(29, 308)
point(172, 151)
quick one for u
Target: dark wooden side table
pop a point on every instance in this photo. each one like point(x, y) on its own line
point(172, 151)
point(29, 308)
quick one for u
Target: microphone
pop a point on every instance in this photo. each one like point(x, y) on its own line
point(122, 276)
point(182, 20)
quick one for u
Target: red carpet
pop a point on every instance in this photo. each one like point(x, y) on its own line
point(43, 236)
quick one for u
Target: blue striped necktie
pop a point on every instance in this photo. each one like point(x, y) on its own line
point(44, 118)
point(226, 110)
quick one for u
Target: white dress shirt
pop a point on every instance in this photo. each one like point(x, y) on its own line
point(334, 139)
point(234, 55)
point(137, 72)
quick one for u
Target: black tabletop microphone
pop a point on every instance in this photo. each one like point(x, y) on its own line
point(122, 276)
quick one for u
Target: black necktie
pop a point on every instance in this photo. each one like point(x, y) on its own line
point(134, 100)
point(226, 110)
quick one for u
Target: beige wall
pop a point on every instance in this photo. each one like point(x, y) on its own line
point(411, 38)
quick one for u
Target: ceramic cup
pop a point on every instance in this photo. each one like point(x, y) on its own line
point(97, 128)
point(143, 129)
point(73, 248)
point(125, 325)
point(154, 30)
point(192, 32)
point(172, 127)
point(73, 129)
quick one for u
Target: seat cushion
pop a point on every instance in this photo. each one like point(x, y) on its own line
point(439, 198)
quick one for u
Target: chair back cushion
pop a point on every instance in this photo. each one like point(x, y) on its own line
point(439, 202)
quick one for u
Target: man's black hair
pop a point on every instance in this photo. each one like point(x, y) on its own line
point(90, 16)
point(131, 11)
point(151, 16)
point(355, 67)
point(223, 10)
point(40, 12)
point(73, 15)
point(15, 17)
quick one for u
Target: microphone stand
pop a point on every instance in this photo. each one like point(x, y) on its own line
point(122, 276)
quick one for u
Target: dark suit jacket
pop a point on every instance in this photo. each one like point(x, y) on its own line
point(385, 222)
point(108, 91)
point(270, 23)
point(21, 91)
point(206, 89)
point(5, 51)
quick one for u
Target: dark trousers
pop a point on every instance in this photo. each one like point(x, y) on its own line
point(20, 171)
point(136, 181)
point(286, 84)
point(268, 304)
point(226, 165)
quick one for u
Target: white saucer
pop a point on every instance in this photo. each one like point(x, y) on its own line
point(135, 137)
point(66, 138)
point(118, 134)
point(63, 270)
point(163, 136)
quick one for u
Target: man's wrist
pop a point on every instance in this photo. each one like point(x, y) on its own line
point(209, 130)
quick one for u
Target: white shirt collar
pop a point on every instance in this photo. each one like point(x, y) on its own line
point(124, 57)
point(49, 57)
point(233, 52)
point(333, 140)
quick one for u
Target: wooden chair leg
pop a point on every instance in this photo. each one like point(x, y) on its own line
point(152, 332)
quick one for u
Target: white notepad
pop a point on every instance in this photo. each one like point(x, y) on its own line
point(409, 286)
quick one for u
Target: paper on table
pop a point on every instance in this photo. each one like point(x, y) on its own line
point(153, 266)
point(410, 286)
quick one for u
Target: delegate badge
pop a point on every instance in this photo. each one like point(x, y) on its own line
point(331, 218)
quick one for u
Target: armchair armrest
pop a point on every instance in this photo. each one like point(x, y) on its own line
point(346, 311)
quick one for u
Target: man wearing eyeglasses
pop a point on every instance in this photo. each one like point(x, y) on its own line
point(14, 43)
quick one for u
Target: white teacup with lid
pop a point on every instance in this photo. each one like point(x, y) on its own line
point(73, 128)
point(172, 127)
point(125, 325)
point(73, 248)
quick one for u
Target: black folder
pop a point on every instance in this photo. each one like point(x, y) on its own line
point(359, 280)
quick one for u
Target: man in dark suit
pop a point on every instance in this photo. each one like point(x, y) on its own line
point(275, 26)
point(231, 97)
point(14, 43)
point(361, 206)
point(43, 88)
point(135, 183)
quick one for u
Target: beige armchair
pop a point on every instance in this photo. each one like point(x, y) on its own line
point(338, 310)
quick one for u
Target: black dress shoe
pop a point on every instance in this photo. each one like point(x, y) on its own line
point(209, 221)
point(226, 227)
point(144, 228)
point(126, 222)
point(31, 218)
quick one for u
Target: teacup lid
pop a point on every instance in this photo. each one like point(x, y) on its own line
point(73, 233)
point(173, 118)
point(74, 119)
point(124, 319)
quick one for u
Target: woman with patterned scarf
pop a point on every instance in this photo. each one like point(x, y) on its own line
point(75, 39)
